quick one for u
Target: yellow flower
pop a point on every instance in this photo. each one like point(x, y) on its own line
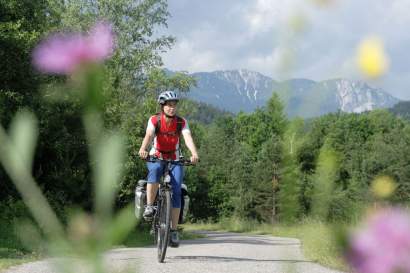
point(371, 58)
point(298, 23)
point(383, 186)
point(323, 3)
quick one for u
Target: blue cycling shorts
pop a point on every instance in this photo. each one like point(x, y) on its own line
point(156, 170)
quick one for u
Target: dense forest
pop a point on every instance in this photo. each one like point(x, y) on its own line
point(260, 165)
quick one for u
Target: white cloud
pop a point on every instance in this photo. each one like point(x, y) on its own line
point(266, 15)
point(253, 34)
point(398, 13)
point(265, 64)
point(186, 56)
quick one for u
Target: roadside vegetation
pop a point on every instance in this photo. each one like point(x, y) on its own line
point(318, 240)
point(256, 168)
point(13, 252)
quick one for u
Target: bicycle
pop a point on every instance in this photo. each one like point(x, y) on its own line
point(161, 221)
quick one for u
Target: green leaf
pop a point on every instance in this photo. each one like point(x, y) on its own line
point(109, 157)
point(24, 133)
point(121, 226)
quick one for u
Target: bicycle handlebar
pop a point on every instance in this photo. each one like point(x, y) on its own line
point(183, 162)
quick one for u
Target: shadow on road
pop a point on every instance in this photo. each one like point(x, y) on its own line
point(239, 241)
point(232, 238)
point(234, 259)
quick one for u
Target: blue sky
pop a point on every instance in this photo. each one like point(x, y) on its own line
point(290, 38)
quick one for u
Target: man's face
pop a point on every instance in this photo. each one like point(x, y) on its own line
point(170, 107)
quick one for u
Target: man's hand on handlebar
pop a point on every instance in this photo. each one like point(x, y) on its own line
point(194, 158)
point(143, 154)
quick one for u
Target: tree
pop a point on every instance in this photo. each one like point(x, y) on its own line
point(21, 25)
point(134, 23)
point(62, 154)
point(265, 179)
point(290, 177)
point(324, 182)
point(277, 117)
point(242, 194)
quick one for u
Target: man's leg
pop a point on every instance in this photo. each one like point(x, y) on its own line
point(152, 189)
point(155, 170)
point(177, 175)
point(175, 218)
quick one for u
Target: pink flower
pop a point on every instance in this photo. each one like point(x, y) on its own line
point(383, 245)
point(101, 41)
point(63, 53)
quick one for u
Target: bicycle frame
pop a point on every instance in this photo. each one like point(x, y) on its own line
point(161, 222)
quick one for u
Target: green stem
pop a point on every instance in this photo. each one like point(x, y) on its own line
point(32, 196)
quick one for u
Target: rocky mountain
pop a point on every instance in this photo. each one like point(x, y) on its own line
point(244, 90)
point(234, 90)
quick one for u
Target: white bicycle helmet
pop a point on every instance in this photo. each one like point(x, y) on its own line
point(167, 96)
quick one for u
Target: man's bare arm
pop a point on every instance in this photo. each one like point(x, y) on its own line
point(191, 146)
point(149, 136)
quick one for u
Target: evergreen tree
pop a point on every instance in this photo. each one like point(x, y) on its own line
point(290, 176)
point(324, 182)
point(265, 180)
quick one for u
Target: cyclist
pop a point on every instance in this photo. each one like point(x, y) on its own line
point(164, 130)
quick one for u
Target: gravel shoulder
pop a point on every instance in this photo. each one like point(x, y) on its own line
point(216, 252)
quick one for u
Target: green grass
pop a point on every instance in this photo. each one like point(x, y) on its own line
point(10, 257)
point(141, 237)
point(12, 252)
point(318, 238)
point(187, 235)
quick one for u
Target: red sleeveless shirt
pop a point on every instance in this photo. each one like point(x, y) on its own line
point(166, 141)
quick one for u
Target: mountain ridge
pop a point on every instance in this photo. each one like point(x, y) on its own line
point(246, 90)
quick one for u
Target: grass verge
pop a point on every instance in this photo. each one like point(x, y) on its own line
point(10, 257)
point(141, 237)
point(13, 253)
point(318, 238)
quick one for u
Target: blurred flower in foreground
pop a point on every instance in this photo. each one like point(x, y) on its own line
point(298, 23)
point(371, 57)
point(383, 245)
point(63, 53)
point(323, 3)
point(383, 186)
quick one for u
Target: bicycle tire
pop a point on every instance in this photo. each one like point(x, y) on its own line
point(155, 229)
point(164, 225)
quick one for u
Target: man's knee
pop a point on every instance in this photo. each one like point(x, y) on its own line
point(155, 167)
point(154, 172)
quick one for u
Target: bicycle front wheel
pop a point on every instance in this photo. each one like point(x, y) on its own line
point(164, 225)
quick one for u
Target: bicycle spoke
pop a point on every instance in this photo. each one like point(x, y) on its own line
point(164, 225)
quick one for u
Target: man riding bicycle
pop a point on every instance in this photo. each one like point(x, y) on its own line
point(164, 131)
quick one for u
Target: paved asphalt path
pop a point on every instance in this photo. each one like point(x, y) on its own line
point(217, 253)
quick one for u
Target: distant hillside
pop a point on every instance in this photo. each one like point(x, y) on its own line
point(203, 113)
point(307, 98)
point(401, 109)
point(244, 90)
point(238, 90)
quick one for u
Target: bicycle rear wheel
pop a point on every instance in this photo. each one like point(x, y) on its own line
point(164, 224)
